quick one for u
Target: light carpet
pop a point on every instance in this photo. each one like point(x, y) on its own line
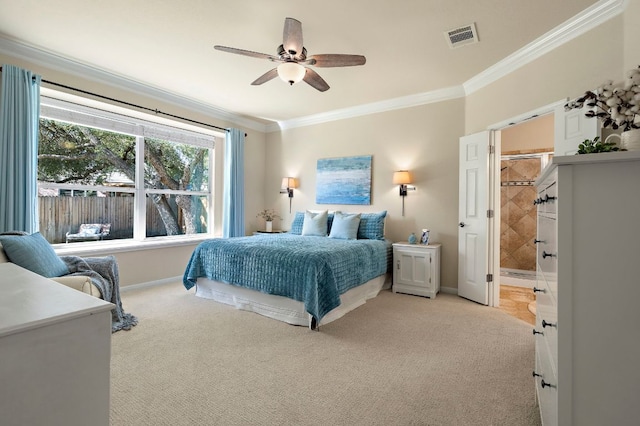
point(397, 360)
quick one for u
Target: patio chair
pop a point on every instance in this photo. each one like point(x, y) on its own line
point(90, 232)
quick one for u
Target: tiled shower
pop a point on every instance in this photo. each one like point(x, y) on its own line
point(518, 217)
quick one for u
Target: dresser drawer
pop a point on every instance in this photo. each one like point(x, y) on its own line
point(547, 322)
point(547, 395)
point(547, 246)
point(549, 199)
point(547, 195)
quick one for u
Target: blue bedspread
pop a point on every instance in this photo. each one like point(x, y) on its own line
point(313, 270)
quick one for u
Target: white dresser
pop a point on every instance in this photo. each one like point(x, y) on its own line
point(416, 269)
point(55, 351)
point(588, 290)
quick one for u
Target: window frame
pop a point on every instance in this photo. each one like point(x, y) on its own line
point(139, 125)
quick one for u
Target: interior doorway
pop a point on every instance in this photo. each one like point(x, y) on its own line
point(525, 150)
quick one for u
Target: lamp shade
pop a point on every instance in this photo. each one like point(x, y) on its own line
point(288, 182)
point(401, 177)
point(291, 72)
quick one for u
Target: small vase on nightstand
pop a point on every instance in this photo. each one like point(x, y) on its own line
point(412, 238)
point(269, 226)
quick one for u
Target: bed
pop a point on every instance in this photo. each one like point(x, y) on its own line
point(300, 279)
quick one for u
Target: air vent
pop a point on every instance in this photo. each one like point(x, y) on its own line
point(462, 36)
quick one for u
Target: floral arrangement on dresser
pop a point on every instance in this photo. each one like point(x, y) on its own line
point(268, 215)
point(616, 107)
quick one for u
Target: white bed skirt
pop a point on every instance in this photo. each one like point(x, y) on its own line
point(285, 309)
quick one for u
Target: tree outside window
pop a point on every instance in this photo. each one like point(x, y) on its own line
point(88, 175)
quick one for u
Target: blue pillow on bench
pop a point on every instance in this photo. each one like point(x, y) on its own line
point(34, 253)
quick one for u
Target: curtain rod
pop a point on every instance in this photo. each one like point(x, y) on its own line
point(155, 111)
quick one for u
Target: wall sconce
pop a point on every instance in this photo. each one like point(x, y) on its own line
point(403, 178)
point(287, 186)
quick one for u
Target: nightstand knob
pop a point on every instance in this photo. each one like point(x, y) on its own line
point(541, 290)
point(537, 332)
point(536, 374)
point(545, 254)
point(548, 324)
point(536, 241)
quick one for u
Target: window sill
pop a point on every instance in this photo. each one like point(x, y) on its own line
point(99, 248)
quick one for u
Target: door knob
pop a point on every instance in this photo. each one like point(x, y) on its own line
point(461, 224)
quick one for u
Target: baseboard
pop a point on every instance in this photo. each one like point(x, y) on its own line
point(517, 282)
point(449, 290)
point(139, 286)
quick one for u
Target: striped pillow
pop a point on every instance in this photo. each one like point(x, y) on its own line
point(296, 225)
point(372, 226)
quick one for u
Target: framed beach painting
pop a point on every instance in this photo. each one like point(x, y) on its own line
point(344, 180)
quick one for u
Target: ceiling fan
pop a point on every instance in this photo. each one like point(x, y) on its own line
point(293, 59)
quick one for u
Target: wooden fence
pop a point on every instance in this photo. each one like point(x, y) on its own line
point(59, 215)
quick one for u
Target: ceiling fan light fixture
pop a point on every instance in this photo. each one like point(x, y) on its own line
point(291, 72)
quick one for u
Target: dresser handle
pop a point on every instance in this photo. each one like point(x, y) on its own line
point(536, 374)
point(537, 332)
point(547, 198)
point(541, 290)
point(535, 241)
point(548, 324)
point(546, 385)
point(545, 254)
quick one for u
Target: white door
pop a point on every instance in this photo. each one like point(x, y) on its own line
point(472, 225)
point(571, 129)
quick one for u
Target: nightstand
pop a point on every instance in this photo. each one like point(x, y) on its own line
point(268, 232)
point(416, 269)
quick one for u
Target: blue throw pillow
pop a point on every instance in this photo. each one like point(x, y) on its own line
point(296, 225)
point(34, 253)
point(345, 226)
point(315, 224)
point(372, 226)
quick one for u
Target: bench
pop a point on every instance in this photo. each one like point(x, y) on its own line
point(90, 232)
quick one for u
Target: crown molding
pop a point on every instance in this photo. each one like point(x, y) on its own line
point(588, 19)
point(440, 95)
point(585, 21)
point(58, 63)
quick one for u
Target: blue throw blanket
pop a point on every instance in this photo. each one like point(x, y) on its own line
point(313, 270)
point(104, 274)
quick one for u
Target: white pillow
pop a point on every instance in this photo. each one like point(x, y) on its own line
point(345, 226)
point(315, 224)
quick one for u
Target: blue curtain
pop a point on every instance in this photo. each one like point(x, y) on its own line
point(233, 197)
point(19, 115)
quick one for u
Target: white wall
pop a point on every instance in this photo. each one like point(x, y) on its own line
point(422, 139)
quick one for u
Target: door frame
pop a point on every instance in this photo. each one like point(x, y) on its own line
point(493, 232)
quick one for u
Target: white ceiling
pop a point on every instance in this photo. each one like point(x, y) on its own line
point(168, 45)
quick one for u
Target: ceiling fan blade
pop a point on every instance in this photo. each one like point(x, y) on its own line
point(292, 37)
point(269, 75)
point(247, 53)
point(335, 60)
point(314, 80)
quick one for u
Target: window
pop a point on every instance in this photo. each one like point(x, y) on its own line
point(143, 179)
